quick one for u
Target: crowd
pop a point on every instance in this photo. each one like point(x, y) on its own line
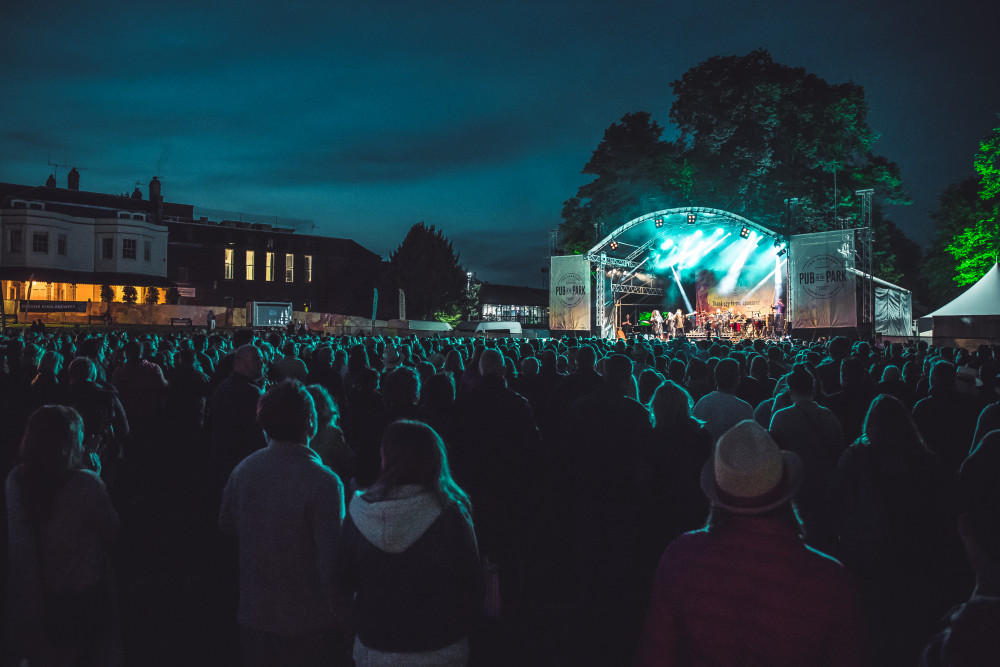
point(287, 498)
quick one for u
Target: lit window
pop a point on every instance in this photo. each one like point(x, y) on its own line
point(16, 241)
point(147, 251)
point(40, 242)
point(289, 267)
point(129, 248)
point(309, 268)
point(250, 258)
point(230, 253)
point(108, 247)
point(61, 244)
point(269, 267)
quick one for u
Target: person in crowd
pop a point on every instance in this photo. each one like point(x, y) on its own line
point(322, 371)
point(141, 386)
point(285, 509)
point(231, 420)
point(947, 418)
point(721, 409)
point(672, 459)
point(895, 520)
point(45, 387)
point(61, 529)
point(746, 589)
point(437, 406)
point(364, 418)
point(850, 404)
point(647, 383)
point(290, 366)
point(105, 424)
point(187, 393)
point(409, 559)
point(828, 371)
point(814, 433)
point(329, 440)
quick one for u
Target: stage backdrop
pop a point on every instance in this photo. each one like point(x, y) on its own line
point(752, 295)
point(822, 280)
point(569, 294)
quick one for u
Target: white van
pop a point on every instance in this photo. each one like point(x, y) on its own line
point(490, 329)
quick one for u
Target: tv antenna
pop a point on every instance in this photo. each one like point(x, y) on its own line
point(64, 166)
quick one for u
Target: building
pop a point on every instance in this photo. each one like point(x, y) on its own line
point(506, 303)
point(62, 244)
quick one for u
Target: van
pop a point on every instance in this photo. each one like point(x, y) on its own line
point(490, 329)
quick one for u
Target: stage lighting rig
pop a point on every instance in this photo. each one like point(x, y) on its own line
point(692, 218)
point(658, 222)
point(744, 232)
point(613, 245)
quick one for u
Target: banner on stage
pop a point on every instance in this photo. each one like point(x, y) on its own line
point(751, 295)
point(822, 280)
point(569, 293)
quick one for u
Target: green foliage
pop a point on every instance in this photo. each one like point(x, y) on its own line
point(959, 208)
point(426, 267)
point(173, 296)
point(107, 294)
point(987, 164)
point(130, 294)
point(152, 295)
point(975, 250)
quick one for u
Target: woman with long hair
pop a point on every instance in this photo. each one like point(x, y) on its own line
point(61, 522)
point(896, 519)
point(408, 557)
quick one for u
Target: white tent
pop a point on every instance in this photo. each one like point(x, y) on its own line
point(974, 314)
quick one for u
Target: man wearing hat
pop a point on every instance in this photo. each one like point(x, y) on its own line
point(746, 590)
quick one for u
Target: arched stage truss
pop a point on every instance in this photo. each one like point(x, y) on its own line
point(640, 255)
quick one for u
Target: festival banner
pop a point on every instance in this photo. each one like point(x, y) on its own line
point(822, 280)
point(569, 293)
point(53, 306)
point(752, 295)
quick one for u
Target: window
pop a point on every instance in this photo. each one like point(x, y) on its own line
point(129, 248)
point(269, 267)
point(123, 216)
point(230, 254)
point(15, 242)
point(289, 267)
point(61, 244)
point(40, 242)
point(138, 216)
point(35, 206)
point(250, 254)
point(309, 268)
point(147, 251)
point(108, 247)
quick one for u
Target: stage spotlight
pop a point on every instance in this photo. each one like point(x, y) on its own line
point(782, 251)
point(613, 245)
point(692, 218)
point(744, 233)
point(658, 222)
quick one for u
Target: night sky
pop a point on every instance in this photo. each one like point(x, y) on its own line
point(473, 116)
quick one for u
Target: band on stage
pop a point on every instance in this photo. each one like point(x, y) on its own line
point(728, 323)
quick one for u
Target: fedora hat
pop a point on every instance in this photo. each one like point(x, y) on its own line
point(749, 474)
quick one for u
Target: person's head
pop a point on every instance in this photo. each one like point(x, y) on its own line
point(586, 357)
point(839, 348)
point(618, 374)
point(491, 363)
point(82, 369)
point(979, 486)
point(248, 361)
point(53, 439)
point(50, 362)
point(529, 367)
point(402, 386)
point(942, 375)
point(287, 412)
point(326, 408)
point(890, 374)
point(852, 373)
point(889, 424)
point(748, 474)
point(801, 383)
point(439, 390)
point(413, 453)
point(649, 380)
point(671, 404)
point(727, 375)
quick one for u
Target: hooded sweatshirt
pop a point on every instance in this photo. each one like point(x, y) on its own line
point(413, 568)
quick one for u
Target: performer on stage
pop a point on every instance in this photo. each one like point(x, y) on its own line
point(779, 317)
point(679, 322)
point(657, 320)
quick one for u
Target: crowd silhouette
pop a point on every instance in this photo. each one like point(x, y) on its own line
point(282, 498)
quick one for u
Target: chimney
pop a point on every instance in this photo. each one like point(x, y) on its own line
point(51, 182)
point(73, 180)
point(154, 190)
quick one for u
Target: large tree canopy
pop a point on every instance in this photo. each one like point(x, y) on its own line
point(752, 133)
point(426, 267)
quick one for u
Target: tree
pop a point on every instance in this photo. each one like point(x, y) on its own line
point(130, 294)
point(173, 296)
point(152, 295)
point(426, 267)
point(752, 132)
point(107, 293)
